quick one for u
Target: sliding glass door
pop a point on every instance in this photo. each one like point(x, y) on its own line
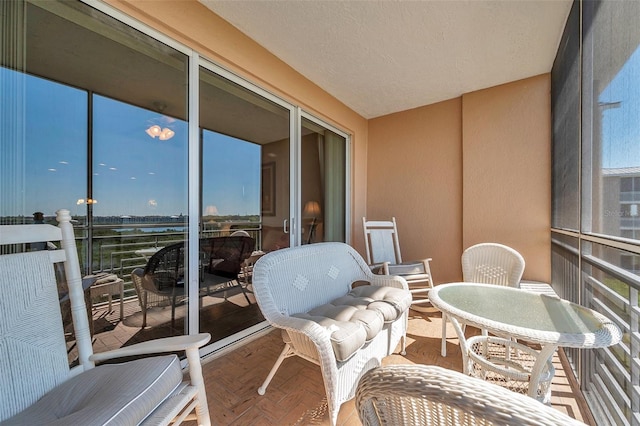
point(99, 112)
point(245, 145)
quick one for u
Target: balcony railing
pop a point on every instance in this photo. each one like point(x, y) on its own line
point(593, 278)
point(119, 254)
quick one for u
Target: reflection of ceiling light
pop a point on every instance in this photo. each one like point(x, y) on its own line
point(166, 134)
point(154, 131)
point(162, 134)
point(87, 201)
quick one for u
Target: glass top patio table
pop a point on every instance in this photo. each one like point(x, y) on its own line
point(534, 317)
point(524, 315)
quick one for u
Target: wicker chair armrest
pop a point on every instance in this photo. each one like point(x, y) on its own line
point(169, 344)
point(315, 332)
point(389, 281)
point(319, 336)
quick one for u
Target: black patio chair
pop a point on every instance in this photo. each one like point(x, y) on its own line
point(226, 256)
point(220, 258)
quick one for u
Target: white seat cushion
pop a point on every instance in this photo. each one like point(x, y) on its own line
point(346, 336)
point(111, 394)
point(359, 316)
point(390, 302)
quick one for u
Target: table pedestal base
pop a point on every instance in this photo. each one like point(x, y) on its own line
point(508, 364)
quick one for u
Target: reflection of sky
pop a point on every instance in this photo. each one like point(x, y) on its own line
point(133, 174)
point(231, 175)
point(55, 133)
point(621, 125)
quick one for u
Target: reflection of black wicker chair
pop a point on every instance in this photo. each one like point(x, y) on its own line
point(221, 260)
point(226, 256)
point(162, 282)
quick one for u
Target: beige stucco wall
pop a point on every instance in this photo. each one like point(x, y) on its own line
point(195, 26)
point(507, 170)
point(473, 169)
point(415, 175)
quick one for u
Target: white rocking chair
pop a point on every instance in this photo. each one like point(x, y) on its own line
point(37, 385)
point(383, 256)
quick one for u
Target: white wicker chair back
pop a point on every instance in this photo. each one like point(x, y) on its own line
point(281, 278)
point(492, 263)
point(431, 396)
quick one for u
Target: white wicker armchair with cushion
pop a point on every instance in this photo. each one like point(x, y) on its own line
point(37, 385)
point(333, 311)
point(431, 396)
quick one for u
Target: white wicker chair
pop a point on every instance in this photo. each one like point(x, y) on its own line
point(37, 385)
point(488, 263)
point(384, 257)
point(430, 395)
point(296, 280)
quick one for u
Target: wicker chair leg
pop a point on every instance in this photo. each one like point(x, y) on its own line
point(286, 353)
point(244, 292)
point(443, 349)
point(173, 311)
point(144, 309)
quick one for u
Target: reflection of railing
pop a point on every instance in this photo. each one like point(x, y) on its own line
point(116, 253)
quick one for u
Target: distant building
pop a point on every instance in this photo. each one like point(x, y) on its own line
point(621, 214)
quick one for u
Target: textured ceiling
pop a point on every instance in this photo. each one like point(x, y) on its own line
point(380, 57)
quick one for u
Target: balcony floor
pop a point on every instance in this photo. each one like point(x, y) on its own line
point(296, 393)
point(218, 316)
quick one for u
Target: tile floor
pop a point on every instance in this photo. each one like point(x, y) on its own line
point(219, 317)
point(296, 393)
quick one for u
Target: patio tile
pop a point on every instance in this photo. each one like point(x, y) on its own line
point(296, 393)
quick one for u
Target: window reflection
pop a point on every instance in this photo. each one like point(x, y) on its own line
point(322, 184)
point(56, 149)
point(231, 183)
point(134, 174)
point(617, 129)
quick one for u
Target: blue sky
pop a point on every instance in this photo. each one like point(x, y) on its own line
point(133, 173)
point(621, 125)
